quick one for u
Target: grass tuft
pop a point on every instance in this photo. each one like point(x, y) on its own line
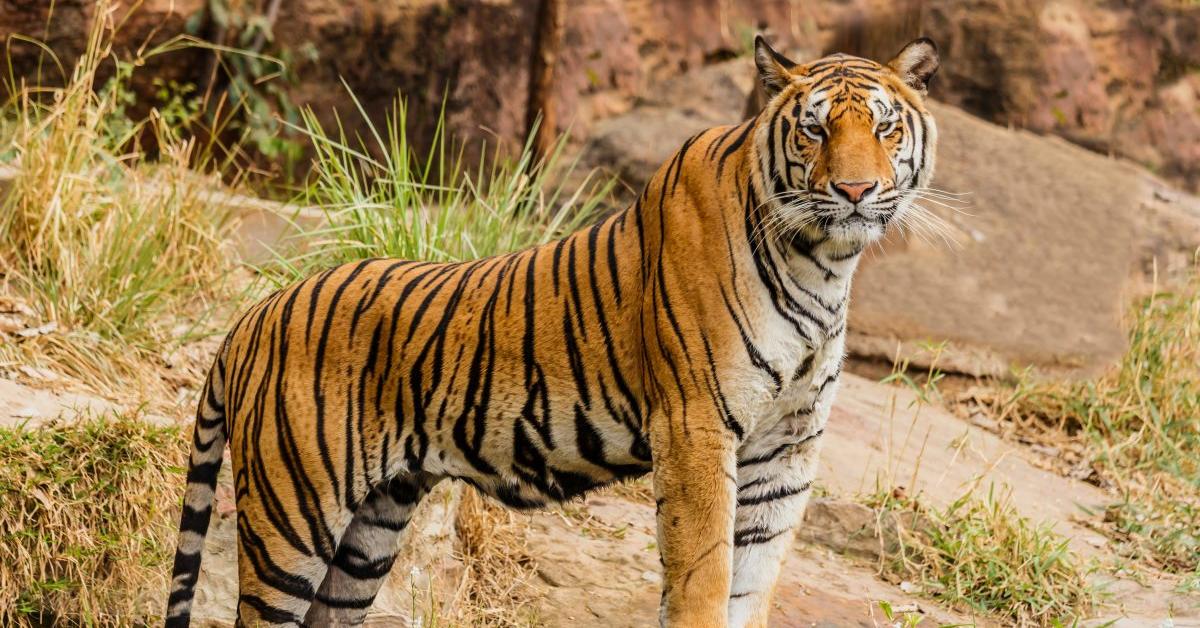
point(382, 197)
point(499, 575)
point(87, 520)
point(1138, 426)
point(983, 555)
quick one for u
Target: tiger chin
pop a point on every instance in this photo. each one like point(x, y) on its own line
point(698, 334)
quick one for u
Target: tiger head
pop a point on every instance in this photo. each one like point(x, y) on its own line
point(845, 144)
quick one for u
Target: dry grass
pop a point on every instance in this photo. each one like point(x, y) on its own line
point(120, 253)
point(87, 520)
point(637, 490)
point(977, 553)
point(1135, 430)
point(983, 555)
point(499, 579)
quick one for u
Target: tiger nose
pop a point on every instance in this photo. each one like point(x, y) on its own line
point(854, 191)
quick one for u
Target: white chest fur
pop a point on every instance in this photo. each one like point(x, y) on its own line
point(792, 396)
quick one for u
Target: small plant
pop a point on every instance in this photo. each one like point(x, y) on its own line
point(386, 199)
point(253, 82)
point(899, 618)
point(103, 243)
point(985, 556)
point(87, 520)
point(1138, 426)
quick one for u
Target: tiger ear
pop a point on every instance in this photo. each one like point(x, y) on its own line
point(917, 63)
point(774, 69)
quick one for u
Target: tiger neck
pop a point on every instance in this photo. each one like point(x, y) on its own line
point(813, 260)
point(813, 270)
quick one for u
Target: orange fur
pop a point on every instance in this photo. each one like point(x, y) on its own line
point(698, 334)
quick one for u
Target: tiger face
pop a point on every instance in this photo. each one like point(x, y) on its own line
point(847, 143)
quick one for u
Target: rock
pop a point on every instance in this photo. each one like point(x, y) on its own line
point(848, 527)
point(982, 420)
point(1052, 245)
point(40, 330)
point(635, 144)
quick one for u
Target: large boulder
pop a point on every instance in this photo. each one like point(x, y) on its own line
point(1051, 247)
point(1116, 77)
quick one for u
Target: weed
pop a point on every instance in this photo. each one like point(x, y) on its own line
point(249, 77)
point(983, 555)
point(87, 520)
point(975, 553)
point(384, 199)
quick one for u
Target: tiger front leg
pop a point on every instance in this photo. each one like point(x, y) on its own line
point(775, 480)
point(694, 489)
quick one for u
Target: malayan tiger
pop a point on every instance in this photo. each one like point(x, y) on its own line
point(697, 334)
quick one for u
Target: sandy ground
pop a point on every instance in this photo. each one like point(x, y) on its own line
point(597, 562)
point(600, 564)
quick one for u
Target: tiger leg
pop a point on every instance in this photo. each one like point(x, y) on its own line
point(366, 552)
point(278, 568)
point(276, 582)
point(774, 483)
point(694, 492)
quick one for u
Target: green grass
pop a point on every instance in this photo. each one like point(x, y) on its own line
point(382, 197)
point(981, 554)
point(1140, 424)
point(977, 553)
point(87, 520)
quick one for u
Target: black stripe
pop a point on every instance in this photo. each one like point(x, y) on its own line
point(333, 602)
point(755, 536)
point(775, 453)
point(268, 613)
point(774, 494)
point(363, 569)
point(736, 144)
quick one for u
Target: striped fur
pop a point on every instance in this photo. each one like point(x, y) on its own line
point(698, 334)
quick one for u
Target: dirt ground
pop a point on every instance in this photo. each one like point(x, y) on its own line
point(600, 565)
point(597, 562)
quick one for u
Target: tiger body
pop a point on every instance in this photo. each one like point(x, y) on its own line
point(698, 334)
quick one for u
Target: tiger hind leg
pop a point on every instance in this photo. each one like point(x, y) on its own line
point(366, 552)
point(277, 582)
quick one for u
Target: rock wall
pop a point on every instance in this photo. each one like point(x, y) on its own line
point(1116, 76)
point(474, 53)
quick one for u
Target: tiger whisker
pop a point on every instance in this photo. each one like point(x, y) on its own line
point(941, 203)
point(926, 224)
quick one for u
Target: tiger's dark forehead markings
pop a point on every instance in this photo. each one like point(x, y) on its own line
point(848, 82)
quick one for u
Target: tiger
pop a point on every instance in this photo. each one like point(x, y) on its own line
point(699, 334)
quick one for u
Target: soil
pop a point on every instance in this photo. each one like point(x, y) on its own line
point(597, 561)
